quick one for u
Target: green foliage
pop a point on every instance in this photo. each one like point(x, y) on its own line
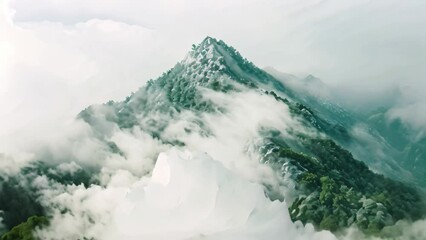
point(374, 227)
point(331, 222)
point(25, 230)
point(328, 191)
point(310, 180)
point(17, 202)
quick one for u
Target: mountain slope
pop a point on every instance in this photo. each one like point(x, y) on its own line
point(409, 145)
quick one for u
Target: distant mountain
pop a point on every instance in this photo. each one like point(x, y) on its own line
point(309, 85)
point(331, 160)
point(409, 144)
point(388, 146)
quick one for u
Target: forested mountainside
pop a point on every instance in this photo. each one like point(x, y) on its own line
point(336, 190)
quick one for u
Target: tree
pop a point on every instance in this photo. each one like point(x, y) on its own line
point(310, 180)
point(25, 231)
point(331, 222)
point(329, 189)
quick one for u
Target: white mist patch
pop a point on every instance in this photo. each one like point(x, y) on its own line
point(2, 227)
point(235, 132)
point(192, 196)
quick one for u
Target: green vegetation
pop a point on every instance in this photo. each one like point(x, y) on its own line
point(17, 201)
point(25, 230)
point(337, 190)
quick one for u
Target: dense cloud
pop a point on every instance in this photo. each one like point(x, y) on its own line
point(189, 196)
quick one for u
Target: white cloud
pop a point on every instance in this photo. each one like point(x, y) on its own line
point(205, 201)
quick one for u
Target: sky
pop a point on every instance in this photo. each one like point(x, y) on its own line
point(58, 56)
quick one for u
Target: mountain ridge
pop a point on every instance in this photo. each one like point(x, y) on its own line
point(215, 66)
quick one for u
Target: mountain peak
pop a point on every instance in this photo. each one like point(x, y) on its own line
point(207, 43)
point(208, 49)
point(213, 56)
point(209, 40)
point(212, 49)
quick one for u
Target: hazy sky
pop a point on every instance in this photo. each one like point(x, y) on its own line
point(58, 56)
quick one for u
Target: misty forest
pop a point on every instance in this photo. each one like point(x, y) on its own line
point(214, 147)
